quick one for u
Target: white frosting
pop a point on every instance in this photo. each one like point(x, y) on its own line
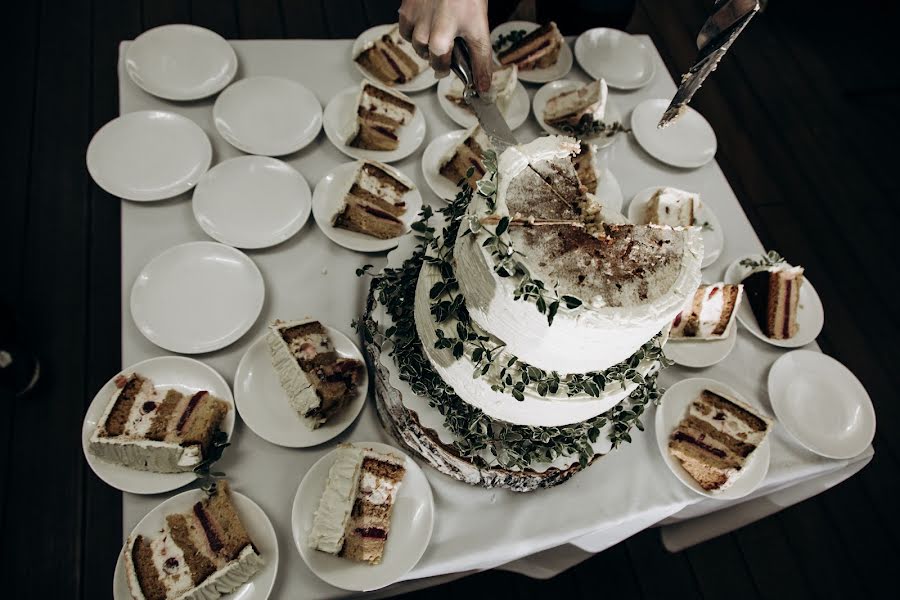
point(377, 188)
point(590, 98)
point(300, 392)
point(515, 159)
point(176, 580)
point(139, 421)
point(711, 307)
point(336, 502)
point(503, 85)
point(671, 207)
point(378, 490)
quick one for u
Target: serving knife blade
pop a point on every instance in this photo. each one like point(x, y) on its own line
point(714, 40)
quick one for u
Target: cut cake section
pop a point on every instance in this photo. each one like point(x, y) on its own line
point(673, 207)
point(379, 115)
point(710, 313)
point(467, 155)
point(503, 86)
point(391, 59)
point(537, 50)
point(774, 296)
point(570, 107)
point(374, 203)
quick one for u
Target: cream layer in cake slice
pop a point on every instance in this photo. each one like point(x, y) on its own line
point(467, 155)
point(774, 296)
point(537, 50)
point(391, 59)
point(672, 207)
point(374, 202)
point(569, 108)
point(379, 115)
point(710, 313)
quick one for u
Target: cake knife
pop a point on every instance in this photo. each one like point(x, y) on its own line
point(714, 40)
point(492, 121)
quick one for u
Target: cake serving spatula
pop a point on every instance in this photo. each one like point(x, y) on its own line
point(714, 40)
point(492, 121)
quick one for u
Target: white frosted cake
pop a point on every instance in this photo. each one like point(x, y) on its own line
point(673, 207)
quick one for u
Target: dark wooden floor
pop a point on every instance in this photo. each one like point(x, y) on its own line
point(805, 108)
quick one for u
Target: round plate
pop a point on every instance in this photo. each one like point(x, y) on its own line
point(148, 155)
point(810, 312)
point(698, 354)
point(267, 115)
point(555, 88)
point(609, 193)
point(264, 406)
point(560, 69)
point(669, 413)
point(411, 526)
point(515, 114)
point(339, 118)
point(180, 62)
point(622, 59)
point(422, 81)
point(711, 229)
point(328, 198)
point(252, 202)
point(258, 526)
point(186, 375)
point(439, 148)
point(197, 297)
point(688, 142)
point(822, 404)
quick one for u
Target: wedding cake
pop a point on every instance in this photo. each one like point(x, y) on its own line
point(519, 337)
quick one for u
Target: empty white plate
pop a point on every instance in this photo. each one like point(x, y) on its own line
point(267, 115)
point(689, 142)
point(822, 404)
point(710, 228)
point(555, 88)
point(252, 202)
point(422, 81)
point(810, 312)
point(411, 526)
point(516, 113)
point(435, 153)
point(698, 354)
point(622, 59)
point(180, 62)
point(673, 408)
point(340, 116)
point(148, 155)
point(560, 69)
point(258, 527)
point(186, 375)
point(264, 405)
point(328, 198)
point(197, 297)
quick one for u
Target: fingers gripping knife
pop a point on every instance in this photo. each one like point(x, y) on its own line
point(714, 40)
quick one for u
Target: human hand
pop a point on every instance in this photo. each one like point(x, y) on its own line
point(433, 25)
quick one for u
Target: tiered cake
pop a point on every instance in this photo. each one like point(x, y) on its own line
point(519, 337)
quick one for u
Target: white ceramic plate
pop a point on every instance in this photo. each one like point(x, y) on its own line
point(515, 114)
point(258, 526)
point(271, 116)
point(339, 118)
point(439, 148)
point(698, 354)
point(609, 193)
point(689, 142)
point(560, 69)
point(810, 312)
point(554, 88)
point(711, 232)
point(252, 202)
point(622, 59)
point(672, 409)
point(186, 375)
point(328, 198)
point(180, 62)
point(822, 404)
point(197, 297)
point(264, 406)
point(148, 155)
point(411, 526)
point(422, 81)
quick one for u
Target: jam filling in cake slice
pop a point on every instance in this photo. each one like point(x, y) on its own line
point(672, 207)
point(374, 204)
point(391, 59)
point(200, 554)
point(144, 428)
point(318, 381)
point(353, 518)
point(716, 438)
point(774, 296)
point(710, 313)
point(379, 115)
point(537, 50)
point(468, 155)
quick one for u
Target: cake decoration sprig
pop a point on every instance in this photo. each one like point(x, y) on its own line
point(769, 259)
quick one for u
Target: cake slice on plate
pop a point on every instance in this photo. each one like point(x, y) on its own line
point(716, 439)
point(391, 59)
point(710, 313)
point(537, 50)
point(379, 115)
point(673, 207)
point(572, 107)
point(503, 85)
point(166, 432)
point(375, 203)
point(353, 518)
point(199, 554)
point(318, 381)
point(774, 295)
point(468, 155)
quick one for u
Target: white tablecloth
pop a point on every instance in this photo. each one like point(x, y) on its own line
point(623, 493)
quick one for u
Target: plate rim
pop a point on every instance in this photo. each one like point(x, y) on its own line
point(580, 49)
point(731, 340)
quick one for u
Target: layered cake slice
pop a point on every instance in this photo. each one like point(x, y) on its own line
point(570, 108)
point(672, 207)
point(537, 50)
point(353, 518)
point(379, 115)
point(774, 296)
point(200, 554)
point(468, 155)
point(375, 203)
point(503, 86)
point(391, 59)
point(318, 381)
point(586, 168)
point(148, 429)
point(716, 438)
point(710, 313)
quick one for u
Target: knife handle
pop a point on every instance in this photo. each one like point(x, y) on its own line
point(461, 64)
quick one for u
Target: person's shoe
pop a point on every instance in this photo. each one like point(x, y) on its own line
point(19, 370)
